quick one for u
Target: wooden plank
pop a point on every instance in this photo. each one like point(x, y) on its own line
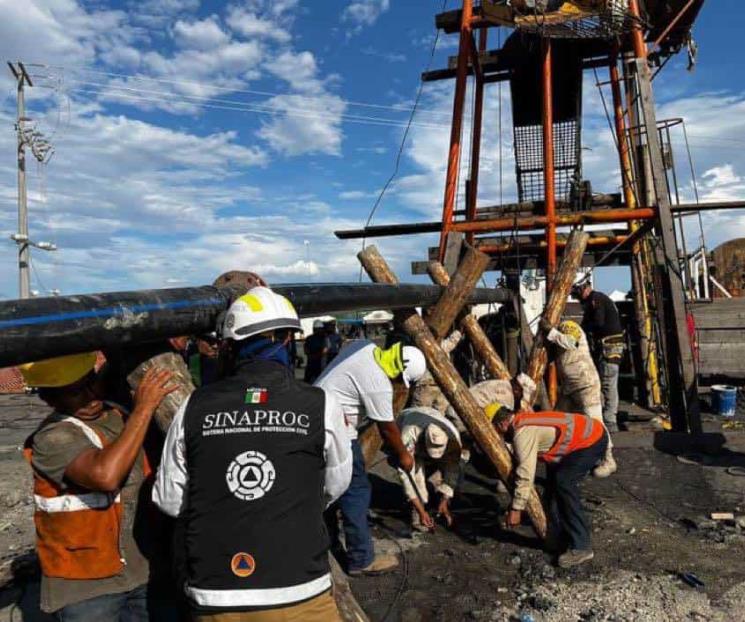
point(454, 388)
point(731, 338)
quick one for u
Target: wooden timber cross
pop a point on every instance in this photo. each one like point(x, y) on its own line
point(472, 329)
point(440, 319)
point(554, 309)
point(449, 380)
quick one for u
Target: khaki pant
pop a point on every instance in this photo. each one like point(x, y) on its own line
point(319, 609)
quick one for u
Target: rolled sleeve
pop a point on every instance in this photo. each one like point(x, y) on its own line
point(525, 445)
point(169, 491)
point(451, 470)
point(337, 450)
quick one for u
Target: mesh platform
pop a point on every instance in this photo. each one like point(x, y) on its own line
point(573, 19)
point(529, 160)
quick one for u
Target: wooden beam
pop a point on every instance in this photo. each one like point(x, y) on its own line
point(453, 387)
point(554, 308)
point(444, 313)
point(349, 608)
point(471, 327)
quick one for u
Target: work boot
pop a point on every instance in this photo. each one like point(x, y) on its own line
point(573, 558)
point(380, 565)
point(416, 522)
point(606, 468)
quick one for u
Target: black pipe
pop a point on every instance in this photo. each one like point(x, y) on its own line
point(38, 328)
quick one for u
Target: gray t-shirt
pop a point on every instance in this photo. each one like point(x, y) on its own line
point(55, 446)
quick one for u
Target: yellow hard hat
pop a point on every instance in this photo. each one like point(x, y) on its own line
point(497, 411)
point(60, 371)
point(572, 329)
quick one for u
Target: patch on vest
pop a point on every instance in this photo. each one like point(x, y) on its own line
point(256, 395)
point(242, 565)
point(250, 476)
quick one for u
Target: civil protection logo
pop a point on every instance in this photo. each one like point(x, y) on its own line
point(250, 476)
point(243, 565)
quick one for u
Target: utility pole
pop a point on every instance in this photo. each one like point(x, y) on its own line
point(42, 151)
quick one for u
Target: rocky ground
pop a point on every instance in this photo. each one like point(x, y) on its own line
point(651, 529)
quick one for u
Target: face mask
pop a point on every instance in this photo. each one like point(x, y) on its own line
point(265, 349)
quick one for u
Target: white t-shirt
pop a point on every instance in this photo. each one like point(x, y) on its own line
point(360, 386)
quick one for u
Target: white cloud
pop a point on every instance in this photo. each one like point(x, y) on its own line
point(352, 195)
point(364, 12)
point(59, 31)
point(305, 125)
point(203, 34)
point(298, 69)
point(251, 25)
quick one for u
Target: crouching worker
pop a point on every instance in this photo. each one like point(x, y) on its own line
point(249, 465)
point(89, 469)
point(571, 445)
point(436, 446)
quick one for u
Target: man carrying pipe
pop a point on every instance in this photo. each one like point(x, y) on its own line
point(571, 445)
point(436, 446)
point(364, 379)
point(89, 470)
point(249, 464)
point(579, 382)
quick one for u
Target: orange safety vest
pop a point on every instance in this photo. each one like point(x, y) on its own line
point(77, 531)
point(575, 431)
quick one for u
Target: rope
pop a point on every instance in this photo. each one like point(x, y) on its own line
point(403, 139)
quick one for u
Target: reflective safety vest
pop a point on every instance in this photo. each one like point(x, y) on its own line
point(575, 431)
point(77, 530)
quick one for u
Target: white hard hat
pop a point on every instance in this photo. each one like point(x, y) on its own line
point(436, 441)
point(415, 365)
point(317, 324)
point(258, 311)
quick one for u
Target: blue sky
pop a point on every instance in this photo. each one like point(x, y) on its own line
point(196, 137)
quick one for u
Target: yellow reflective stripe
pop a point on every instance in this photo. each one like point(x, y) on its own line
point(253, 302)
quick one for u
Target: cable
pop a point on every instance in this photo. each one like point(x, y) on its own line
point(222, 88)
point(252, 106)
point(403, 138)
point(276, 112)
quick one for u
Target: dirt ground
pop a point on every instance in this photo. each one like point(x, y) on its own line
point(650, 521)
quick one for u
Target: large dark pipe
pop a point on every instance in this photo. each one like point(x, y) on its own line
point(38, 328)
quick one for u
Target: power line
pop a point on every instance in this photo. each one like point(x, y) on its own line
point(229, 89)
point(166, 97)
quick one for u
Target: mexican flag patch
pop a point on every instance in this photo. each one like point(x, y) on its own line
point(256, 396)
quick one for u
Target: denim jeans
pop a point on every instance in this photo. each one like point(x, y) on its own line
point(354, 504)
point(609, 380)
point(129, 606)
point(566, 516)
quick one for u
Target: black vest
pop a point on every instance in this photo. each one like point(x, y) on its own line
point(253, 521)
